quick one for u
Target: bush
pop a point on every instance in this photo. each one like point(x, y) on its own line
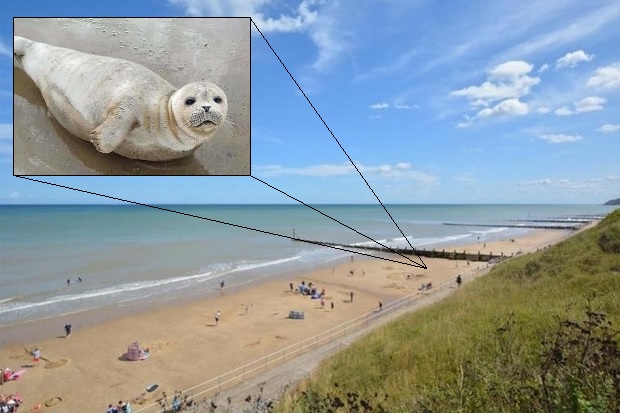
point(609, 239)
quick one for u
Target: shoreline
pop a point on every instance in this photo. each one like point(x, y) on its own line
point(187, 347)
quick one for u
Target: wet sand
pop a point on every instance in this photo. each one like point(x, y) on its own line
point(86, 370)
point(179, 50)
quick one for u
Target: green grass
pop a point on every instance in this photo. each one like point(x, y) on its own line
point(501, 343)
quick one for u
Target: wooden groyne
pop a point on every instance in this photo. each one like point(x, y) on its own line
point(556, 220)
point(449, 255)
point(572, 227)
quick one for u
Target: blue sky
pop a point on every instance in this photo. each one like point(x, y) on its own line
point(478, 102)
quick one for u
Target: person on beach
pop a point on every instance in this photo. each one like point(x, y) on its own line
point(36, 354)
point(67, 330)
point(217, 317)
point(111, 409)
point(323, 303)
point(380, 306)
point(459, 280)
point(351, 295)
point(290, 286)
point(222, 285)
point(332, 305)
point(68, 281)
point(79, 279)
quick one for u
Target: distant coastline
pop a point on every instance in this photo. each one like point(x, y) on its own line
point(613, 202)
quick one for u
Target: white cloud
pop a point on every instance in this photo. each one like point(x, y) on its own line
point(13, 195)
point(606, 186)
point(327, 33)
point(543, 68)
point(566, 34)
point(609, 128)
point(607, 77)
point(543, 110)
point(537, 182)
point(6, 131)
point(300, 19)
point(304, 18)
point(381, 105)
point(560, 138)
point(398, 171)
point(589, 104)
point(5, 50)
point(6, 138)
point(564, 111)
point(572, 59)
point(508, 107)
point(468, 178)
point(320, 20)
point(466, 123)
point(399, 105)
point(403, 61)
point(507, 80)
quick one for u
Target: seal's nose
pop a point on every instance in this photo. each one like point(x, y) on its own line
point(206, 108)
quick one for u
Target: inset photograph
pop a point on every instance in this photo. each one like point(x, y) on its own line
point(131, 96)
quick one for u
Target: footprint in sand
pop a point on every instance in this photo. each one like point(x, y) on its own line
point(160, 347)
point(53, 401)
point(394, 286)
point(54, 364)
point(253, 343)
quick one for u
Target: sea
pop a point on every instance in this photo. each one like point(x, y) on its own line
point(62, 259)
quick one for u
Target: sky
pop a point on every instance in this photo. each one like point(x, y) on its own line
point(478, 102)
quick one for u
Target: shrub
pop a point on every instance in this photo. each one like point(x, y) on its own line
point(609, 239)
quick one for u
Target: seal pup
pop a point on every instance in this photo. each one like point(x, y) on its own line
point(121, 106)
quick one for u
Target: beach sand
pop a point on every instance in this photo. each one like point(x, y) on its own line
point(86, 370)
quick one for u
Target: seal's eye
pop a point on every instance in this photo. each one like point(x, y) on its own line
point(218, 99)
point(190, 101)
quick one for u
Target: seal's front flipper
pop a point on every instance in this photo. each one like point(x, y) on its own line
point(113, 130)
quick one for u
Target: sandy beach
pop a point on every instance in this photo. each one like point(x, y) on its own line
point(87, 369)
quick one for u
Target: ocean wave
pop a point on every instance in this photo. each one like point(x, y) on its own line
point(252, 265)
point(132, 291)
point(99, 293)
point(490, 231)
point(420, 242)
point(404, 242)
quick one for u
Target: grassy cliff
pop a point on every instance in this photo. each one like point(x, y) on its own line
point(539, 333)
